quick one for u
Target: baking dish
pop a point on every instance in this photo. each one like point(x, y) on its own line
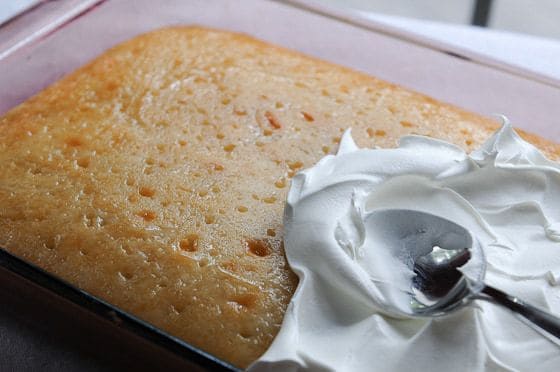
point(37, 51)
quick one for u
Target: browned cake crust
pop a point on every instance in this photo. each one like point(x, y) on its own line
point(155, 176)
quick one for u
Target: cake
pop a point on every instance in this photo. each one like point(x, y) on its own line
point(155, 176)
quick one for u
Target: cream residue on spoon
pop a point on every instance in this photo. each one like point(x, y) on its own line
point(507, 194)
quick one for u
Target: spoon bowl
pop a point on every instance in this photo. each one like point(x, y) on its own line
point(449, 266)
point(437, 287)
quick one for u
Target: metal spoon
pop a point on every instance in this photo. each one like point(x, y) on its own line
point(436, 248)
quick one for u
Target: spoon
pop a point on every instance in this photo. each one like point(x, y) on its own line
point(436, 248)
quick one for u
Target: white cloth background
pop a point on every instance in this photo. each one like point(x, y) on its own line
point(533, 53)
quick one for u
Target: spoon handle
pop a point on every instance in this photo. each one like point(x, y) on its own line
point(535, 316)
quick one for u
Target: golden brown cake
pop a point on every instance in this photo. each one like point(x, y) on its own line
point(155, 176)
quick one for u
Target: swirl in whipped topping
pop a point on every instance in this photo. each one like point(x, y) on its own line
point(507, 194)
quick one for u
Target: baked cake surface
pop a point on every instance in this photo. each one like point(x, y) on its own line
point(155, 176)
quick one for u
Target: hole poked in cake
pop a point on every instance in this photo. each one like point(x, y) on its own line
point(307, 116)
point(281, 183)
point(125, 275)
point(161, 147)
point(74, 141)
point(83, 162)
point(93, 219)
point(269, 199)
point(89, 189)
point(52, 242)
point(189, 243)
point(244, 301)
point(257, 247)
point(295, 165)
point(229, 147)
point(147, 191)
point(178, 308)
point(272, 120)
point(246, 334)
point(377, 133)
point(147, 215)
point(35, 171)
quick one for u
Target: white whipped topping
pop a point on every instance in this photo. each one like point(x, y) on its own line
point(507, 194)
